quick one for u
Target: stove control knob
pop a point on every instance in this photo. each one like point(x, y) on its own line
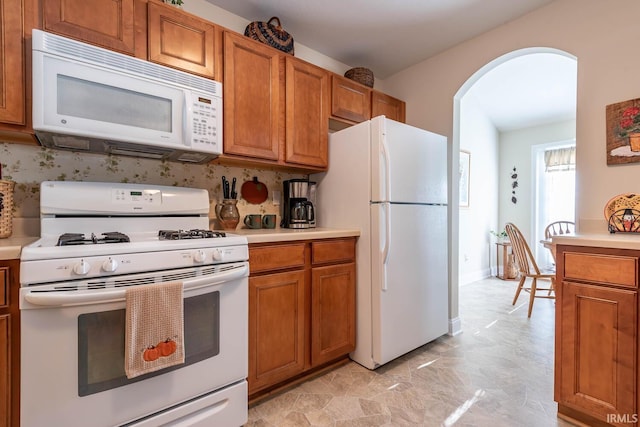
point(82, 268)
point(110, 265)
point(218, 254)
point(199, 256)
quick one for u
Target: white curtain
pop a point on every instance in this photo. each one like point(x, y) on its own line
point(560, 159)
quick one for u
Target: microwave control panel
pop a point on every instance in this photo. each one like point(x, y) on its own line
point(206, 129)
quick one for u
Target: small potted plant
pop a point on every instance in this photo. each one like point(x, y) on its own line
point(176, 3)
point(501, 236)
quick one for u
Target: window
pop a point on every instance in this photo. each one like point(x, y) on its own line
point(555, 166)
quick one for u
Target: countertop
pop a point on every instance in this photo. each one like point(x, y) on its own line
point(600, 240)
point(265, 235)
point(11, 247)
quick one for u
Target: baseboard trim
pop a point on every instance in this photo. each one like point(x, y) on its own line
point(455, 326)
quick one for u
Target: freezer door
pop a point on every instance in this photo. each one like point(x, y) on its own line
point(409, 277)
point(408, 164)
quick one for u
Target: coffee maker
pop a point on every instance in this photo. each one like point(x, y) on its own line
point(298, 210)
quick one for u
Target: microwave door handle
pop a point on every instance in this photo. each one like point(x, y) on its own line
point(53, 299)
point(187, 112)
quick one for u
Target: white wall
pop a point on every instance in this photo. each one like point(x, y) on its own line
point(479, 136)
point(592, 30)
point(236, 23)
point(515, 150)
point(601, 39)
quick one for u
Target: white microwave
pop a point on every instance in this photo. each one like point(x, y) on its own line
point(86, 98)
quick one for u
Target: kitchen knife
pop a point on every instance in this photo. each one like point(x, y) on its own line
point(233, 188)
point(225, 187)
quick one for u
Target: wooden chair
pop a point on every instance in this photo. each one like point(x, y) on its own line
point(527, 268)
point(558, 228)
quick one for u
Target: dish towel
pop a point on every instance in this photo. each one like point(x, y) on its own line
point(154, 336)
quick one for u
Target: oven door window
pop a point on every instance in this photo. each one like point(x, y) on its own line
point(101, 340)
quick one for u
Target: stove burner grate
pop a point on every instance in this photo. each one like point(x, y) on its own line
point(69, 239)
point(189, 234)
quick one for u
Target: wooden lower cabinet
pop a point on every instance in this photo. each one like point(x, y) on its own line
point(301, 310)
point(596, 378)
point(9, 344)
point(332, 312)
point(5, 372)
point(276, 331)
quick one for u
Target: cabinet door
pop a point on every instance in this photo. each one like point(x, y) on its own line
point(5, 370)
point(9, 344)
point(307, 114)
point(182, 41)
point(276, 328)
point(251, 98)
point(108, 24)
point(598, 350)
point(350, 100)
point(12, 72)
point(388, 106)
point(333, 292)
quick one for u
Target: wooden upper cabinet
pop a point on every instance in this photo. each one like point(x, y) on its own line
point(392, 108)
point(109, 24)
point(251, 98)
point(307, 114)
point(180, 40)
point(12, 71)
point(350, 100)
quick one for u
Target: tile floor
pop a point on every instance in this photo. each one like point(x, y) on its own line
point(498, 372)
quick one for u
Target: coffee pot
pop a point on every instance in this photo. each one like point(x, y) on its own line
point(298, 210)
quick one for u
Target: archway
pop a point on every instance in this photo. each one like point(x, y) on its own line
point(458, 251)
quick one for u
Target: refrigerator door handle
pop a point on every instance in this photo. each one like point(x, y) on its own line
point(385, 249)
point(387, 168)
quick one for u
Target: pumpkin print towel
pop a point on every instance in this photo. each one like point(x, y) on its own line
point(154, 337)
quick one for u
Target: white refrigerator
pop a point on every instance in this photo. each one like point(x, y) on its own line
point(389, 180)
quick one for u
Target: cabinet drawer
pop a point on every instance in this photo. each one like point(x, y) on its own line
point(4, 287)
point(599, 268)
point(333, 251)
point(279, 257)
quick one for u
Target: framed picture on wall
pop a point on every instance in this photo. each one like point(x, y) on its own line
point(463, 176)
point(623, 132)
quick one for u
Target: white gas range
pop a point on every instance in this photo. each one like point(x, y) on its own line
point(98, 239)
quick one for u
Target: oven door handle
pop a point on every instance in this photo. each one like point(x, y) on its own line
point(62, 298)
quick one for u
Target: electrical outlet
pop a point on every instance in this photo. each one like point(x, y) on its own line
point(275, 197)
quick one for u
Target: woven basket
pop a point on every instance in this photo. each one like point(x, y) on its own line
point(6, 208)
point(361, 75)
point(271, 33)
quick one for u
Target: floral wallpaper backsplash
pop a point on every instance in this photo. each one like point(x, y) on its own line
point(29, 165)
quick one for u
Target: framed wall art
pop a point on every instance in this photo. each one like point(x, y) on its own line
point(623, 132)
point(464, 173)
